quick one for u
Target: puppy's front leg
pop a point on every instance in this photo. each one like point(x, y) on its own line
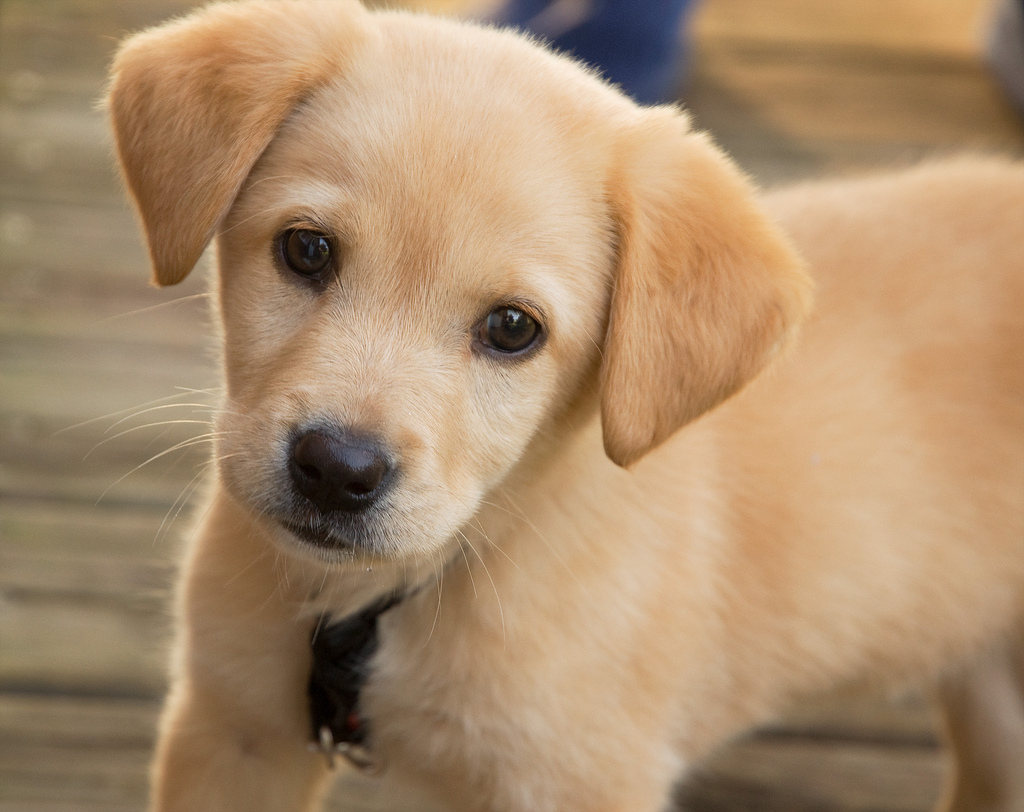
point(234, 732)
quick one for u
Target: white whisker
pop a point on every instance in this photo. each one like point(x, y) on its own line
point(176, 447)
point(150, 308)
point(125, 419)
point(179, 504)
point(136, 410)
point(439, 581)
point(460, 537)
point(494, 587)
point(133, 429)
point(521, 514)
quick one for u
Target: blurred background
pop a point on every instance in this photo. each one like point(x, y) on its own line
point(100, 373)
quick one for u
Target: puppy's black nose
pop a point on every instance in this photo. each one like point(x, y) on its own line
point(339, 472)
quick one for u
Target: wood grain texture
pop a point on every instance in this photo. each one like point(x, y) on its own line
point(100, 375)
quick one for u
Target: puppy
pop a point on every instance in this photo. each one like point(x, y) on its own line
point(470, 297)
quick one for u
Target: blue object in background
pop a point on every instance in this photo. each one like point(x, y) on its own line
point(1005, 49)
point(637, 44)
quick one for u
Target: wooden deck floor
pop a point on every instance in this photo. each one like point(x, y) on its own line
point(88, 534)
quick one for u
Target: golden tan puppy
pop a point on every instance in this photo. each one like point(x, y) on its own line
point(470, 297)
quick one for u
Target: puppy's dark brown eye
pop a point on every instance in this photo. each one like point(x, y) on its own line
point(307, 253)
point(509, 330)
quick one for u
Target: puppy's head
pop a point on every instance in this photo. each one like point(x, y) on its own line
point(439, 247)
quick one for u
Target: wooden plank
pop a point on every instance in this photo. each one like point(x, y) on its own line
point(72, 378)
point(810, 103)
point(106, 241)
point(856, 751)
point(787, 775)
point(906, 26)
point(84, 532)
point(59, 641)
point(903, 719)
point(66, 39)
point(57, 154)
point(154, 467)
point(83, 598)
point(853, 96)
point(106, 367)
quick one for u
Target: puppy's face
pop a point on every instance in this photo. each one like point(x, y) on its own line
point(410, 291)
point(440, 248)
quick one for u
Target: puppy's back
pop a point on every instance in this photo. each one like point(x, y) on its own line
point(875, 477)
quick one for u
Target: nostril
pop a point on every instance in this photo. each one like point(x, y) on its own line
point(314, 454)
point(362, 469)
point(335, 472)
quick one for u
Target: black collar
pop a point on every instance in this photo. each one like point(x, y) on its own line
point(341, 654)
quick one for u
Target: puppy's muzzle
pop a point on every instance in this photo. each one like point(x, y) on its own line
point(339, 472)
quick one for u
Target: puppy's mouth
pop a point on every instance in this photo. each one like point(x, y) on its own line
point(332, 535)
point(318, 535)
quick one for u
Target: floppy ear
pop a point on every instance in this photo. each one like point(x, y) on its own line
point(195, 102)
point(707, 291)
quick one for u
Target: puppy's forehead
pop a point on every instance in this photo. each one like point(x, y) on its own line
point(444, 130)
point(437, 87)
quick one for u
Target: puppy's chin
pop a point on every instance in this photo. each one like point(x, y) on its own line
point(326, 543)
point(323, 543)
point(345, 542)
